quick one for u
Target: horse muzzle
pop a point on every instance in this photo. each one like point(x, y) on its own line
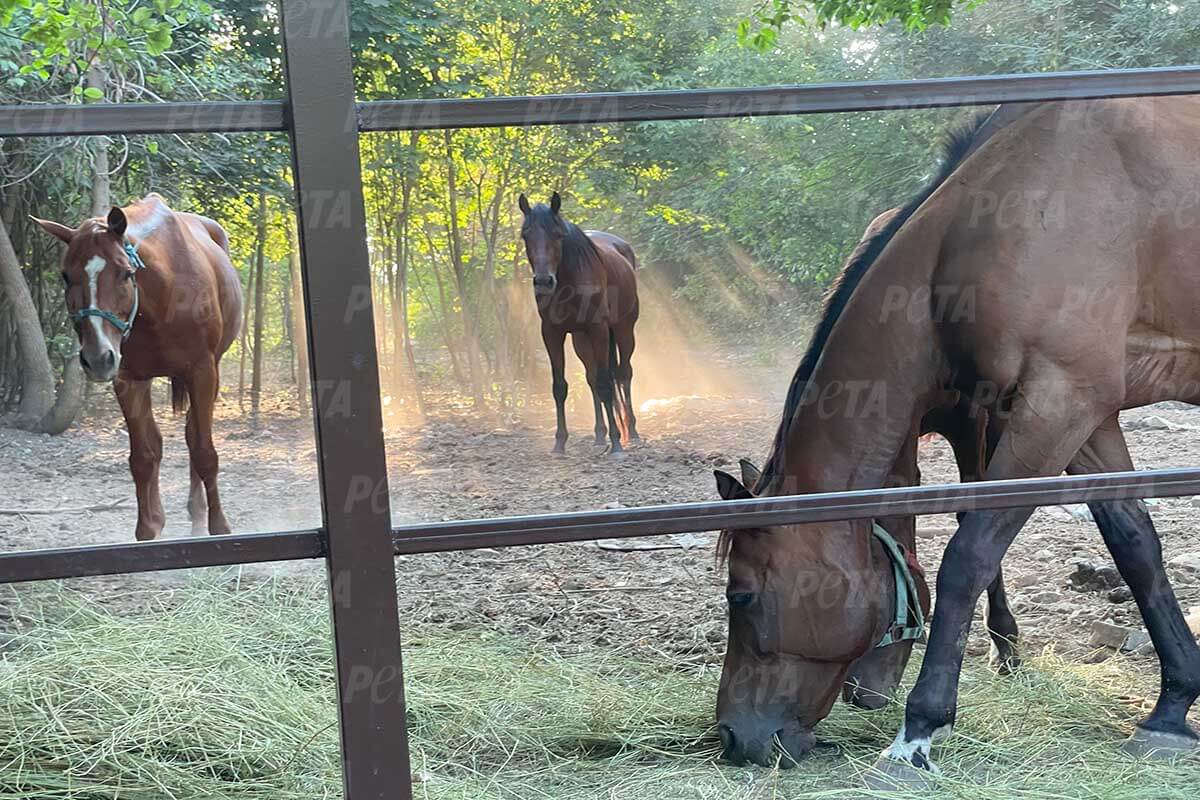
point(764, 745)
point(544, 284)
point(100, 367)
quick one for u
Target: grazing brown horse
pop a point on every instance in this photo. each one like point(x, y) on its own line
point(152, 294)
point(872, 680)
point(1050, 277)
point(585, 285)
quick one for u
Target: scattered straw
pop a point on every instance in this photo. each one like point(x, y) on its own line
point(228, 694)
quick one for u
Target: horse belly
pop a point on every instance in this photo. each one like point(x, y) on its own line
point(1160, 367)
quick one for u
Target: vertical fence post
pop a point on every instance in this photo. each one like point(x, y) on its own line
point(349, 423)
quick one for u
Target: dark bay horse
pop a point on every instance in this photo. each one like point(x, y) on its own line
point(586, 286)
point(153, 294)
point(873, 678)
point(1049, 276)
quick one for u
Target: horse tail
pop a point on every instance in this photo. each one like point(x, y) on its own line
point(179, 397)
point(620, 412)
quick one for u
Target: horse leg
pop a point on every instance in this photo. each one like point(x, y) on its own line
point(624, 376)
point(197, 504)
point(145, 454)
point(600, 378)
point(967, 432)
point(1130, 536)
point(554, 339)
point(583, 349)
point(872, 680)
point(202, 391)
point(1049, 423)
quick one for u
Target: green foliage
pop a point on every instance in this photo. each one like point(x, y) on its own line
point(761, 31)
point(73, 34)
point(741, 222)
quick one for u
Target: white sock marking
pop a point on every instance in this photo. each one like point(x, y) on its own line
point(902, 749)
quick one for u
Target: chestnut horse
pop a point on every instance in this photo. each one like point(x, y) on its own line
point(585, 285)
point(1048, 276)
point(152, 294)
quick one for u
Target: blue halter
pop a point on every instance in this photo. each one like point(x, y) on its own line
point(907, 595)
point(125, 326)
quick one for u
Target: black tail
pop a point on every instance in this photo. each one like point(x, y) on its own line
point(179, 396)
point(619, 404)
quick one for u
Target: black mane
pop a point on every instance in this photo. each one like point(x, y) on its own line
point(577, 249)
point(957, 144)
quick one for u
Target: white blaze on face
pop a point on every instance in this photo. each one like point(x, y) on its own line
point(94, 267)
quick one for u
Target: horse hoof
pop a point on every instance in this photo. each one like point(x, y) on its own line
point(559, 450)
point(890, 775)
point(1004, 664)
point(1160, 745)
point(618, 454)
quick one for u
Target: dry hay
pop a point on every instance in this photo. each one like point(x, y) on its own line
point(226, 692)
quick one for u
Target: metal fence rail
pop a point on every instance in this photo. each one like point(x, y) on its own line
point(356, 540)
point(606, 107)
point(580, 526)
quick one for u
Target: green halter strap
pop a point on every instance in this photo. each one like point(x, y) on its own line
point(906, 593)
point(125, 326)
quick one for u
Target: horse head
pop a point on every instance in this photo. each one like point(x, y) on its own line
point(806, 603)
point(98, 272)
point(543, 231)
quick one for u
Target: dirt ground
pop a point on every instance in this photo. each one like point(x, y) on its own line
point(458, 465)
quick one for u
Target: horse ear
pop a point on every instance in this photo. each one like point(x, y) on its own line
point(117, 222)
point(523, 202)
point(730, 488)
point(55, 229)
point(750, 473)
point(555, 203)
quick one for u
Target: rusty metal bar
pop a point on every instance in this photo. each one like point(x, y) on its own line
point(129, 557)
point(135, 118)
point(611, 107)
point(608, 107)
point(824, 507)
point(617, 523)
point(346, 401)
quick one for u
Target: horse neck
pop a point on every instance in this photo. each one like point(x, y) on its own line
point(879, 370)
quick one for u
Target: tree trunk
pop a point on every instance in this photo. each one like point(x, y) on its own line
point(70, 398)
point(402, 341)
point(299, 330)
point(101, 195)
point(259, 248)
point(460, 279)
point(74, 388)
point(445, 316)
point(243, 344)
point(54, 417)
point(37, 378)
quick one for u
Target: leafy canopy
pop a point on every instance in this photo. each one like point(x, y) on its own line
point(761, 30)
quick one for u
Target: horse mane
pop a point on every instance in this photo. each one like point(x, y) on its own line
point(578, 250)
point(956, 144)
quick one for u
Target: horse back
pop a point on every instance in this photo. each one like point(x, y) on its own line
point(620, 265)
point(213, 244)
